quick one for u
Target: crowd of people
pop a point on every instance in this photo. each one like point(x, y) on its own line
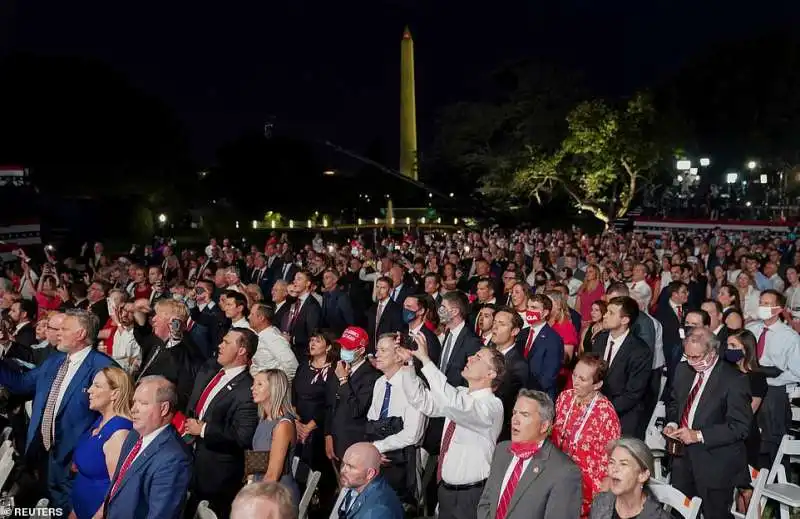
point(499, 374)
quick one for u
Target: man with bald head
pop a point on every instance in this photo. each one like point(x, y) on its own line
point(367, 495)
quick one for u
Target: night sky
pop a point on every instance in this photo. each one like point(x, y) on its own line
point(330, 70)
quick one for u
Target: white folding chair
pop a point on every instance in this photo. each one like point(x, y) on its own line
point(309, 485)
point(656, 441)
point(6, 461)
point(204, 512)
point(6, 434)
point(339, 499)
point(29, 408)
point(308, 493)
point(758, 480)
point(673, 498)
point(42, 503)
point(778, 487)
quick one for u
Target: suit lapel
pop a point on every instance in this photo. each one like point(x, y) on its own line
point(535, 468)
point(504, 461)
point(225, 391)
point(142, 459)
point(78, 382)
point(456, 343)
point(708, 391)
point(199, 388)
point(619, 358)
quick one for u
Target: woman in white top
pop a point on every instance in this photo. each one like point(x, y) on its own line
point(748, 295)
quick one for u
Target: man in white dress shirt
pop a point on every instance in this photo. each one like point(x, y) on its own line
point(473, 419)
point(274, 351)
point(235, 308)
point(778, 351)
point(398, 450)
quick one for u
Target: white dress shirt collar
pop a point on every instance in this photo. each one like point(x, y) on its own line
point(148, 438)
point(20, 325)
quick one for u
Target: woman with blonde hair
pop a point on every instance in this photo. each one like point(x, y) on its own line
point(590, 291)
point(97, 452)
point(561, 323)
point(276, 432)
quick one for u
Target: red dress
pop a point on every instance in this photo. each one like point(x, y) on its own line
point(583, 433)
point(112, 329)
point(566, 330)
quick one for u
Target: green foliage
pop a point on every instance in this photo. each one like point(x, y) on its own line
point(605, 155)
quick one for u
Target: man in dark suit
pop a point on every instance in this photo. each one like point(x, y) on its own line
point(541, 346)
point(304, 316)
point(415, 308)
point(507, 325)
point(155, 467)
point(367, 493)
point(401, 288)
point(98, 291)
point(717, 325)
point(671, 314)
point(460, 343)
point(337, 310)
point(710, 414)
point(23, 316)
point(287, 270)
point(171, 351)
point(549, 484)
point(209, 320)
point(223, 419)
point(274, 268)
point(629, 362)
point(346, 420)
point(385, 316)
point(61, 411)
point(281, 302)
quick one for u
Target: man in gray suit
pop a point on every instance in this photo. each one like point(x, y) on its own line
point(530, 478)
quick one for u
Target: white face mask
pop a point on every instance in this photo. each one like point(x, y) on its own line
point(764, 312)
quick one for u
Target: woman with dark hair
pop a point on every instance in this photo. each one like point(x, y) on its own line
point(310, 390)
point(728, 297)
point(741, 351)
point(593, 328)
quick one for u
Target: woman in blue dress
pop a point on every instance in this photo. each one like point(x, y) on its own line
point(97, 452)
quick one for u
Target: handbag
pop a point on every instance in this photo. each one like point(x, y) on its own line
point(255, 462)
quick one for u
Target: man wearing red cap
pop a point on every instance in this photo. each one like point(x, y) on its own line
point(347, 417)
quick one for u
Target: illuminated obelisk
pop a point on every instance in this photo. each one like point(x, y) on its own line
point(408, 108)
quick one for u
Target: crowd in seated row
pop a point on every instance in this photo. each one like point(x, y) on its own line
point(495, 374)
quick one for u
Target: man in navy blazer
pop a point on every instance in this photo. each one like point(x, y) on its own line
point(60, 412)
point(541, 346)
point(155, 465)
point(367, 495)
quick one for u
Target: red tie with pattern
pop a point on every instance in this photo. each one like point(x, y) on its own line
point(126, 465)
point(690, 400)
point(446, 439)
point(762, 343)
point(523, 452)
point(207, 391)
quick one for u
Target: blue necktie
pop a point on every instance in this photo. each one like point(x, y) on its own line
point(386, 397)
point(348, 500)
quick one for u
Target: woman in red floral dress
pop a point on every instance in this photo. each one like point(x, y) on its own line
point(585, 424)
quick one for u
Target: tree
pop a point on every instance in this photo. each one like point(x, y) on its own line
point(600, 164)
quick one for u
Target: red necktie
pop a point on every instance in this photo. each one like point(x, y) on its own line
point(679, 310)
point(762, 342)
point(690, 400)
point(522, 454)
point(207, 391)
point(446, 439)
point(126, 465)
point(295, 311)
